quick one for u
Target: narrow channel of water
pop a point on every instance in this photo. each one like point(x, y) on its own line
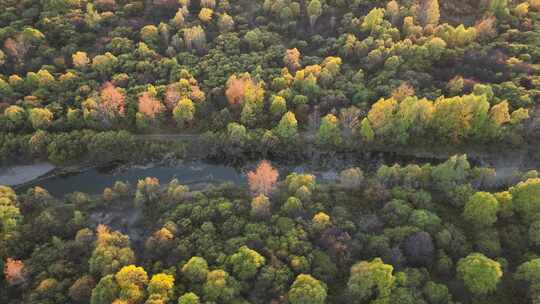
point(93, 181)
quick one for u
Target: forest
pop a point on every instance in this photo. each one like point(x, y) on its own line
point(407, 102)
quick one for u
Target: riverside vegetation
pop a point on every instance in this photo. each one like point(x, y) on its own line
point(133, 81)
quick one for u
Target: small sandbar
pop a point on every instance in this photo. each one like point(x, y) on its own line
point(17, 175)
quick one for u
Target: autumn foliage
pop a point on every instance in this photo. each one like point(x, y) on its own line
point(16, 48)
point(149, 105)
point(235, 91)
point(185, 88)
point(102, 232)
point(237, 88)
point(172, 96)
point(80, 60)
point(14, 271)
point(112, 100)
point(292, 59)
point(263, 179)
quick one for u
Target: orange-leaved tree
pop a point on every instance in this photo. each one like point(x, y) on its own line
point(14, 271)
point(112, 101)
point(263, 179)
point(149, 105)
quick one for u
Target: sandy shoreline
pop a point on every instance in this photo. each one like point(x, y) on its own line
point(17, 175)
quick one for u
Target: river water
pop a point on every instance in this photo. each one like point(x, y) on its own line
point(94, 180)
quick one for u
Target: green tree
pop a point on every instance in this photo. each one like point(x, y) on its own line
point(307, 290)
point(526, 199)
point(40, 118)
point(530, 272)
point(287, 129)
point(260, 206)
point(5, 89)
point(32, 35)
point(106, 291)
point(253, 103)
point(248, 116)
point(366, 131)
point(246, 263)
point(366, 277)
point(15, 114)
point(111, 253)
point(104, 64)
point(499, 8)
point(237, 133)
point(10, 217)
point(425, 220)
point(437, 293)
point(292, 206)
point(278, 107)
point(372, 20)
point(453, 172)
point(481, 209)
point(45, 79)
point(314, 11)
point(534, 233)
point(219, 286)
point(195, 270)
point(147, 191)
point(184, 112)
point(56, 6)
point(150, 35)
point(295, 181)
point(329, 132)
point(255, 39)
point(81, 290)
point(189, 298)
point(479, 273)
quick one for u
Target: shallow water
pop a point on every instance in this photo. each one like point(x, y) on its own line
point(16, 175)
point(93, 181)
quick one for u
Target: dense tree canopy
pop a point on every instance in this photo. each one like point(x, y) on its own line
point(370, 280)
point(481, 209)
point(329, 109)
point(307, 289)
point(479, 273)
point(396, 229)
